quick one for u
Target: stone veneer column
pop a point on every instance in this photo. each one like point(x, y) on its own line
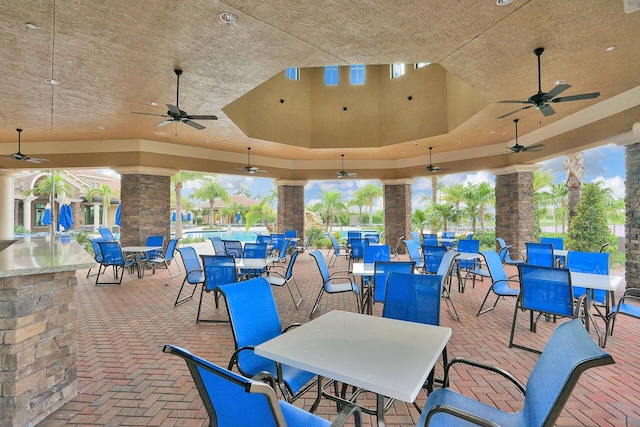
point(291, 206)
point(145, 202)
point(632, 212)
point(397, 210)
point(515, 205)
point(38, 347)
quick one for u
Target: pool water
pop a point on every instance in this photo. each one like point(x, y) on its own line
point(232, 234)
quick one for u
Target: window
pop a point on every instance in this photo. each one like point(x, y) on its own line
point(292, 73)
point(331, 75)
point(357, 74)
point(397, 70)
point(422, 64)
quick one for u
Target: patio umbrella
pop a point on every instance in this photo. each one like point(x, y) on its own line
point(173, 216)
point(117, 220)
point(65, 218)
point(46, 219)
point(189, 217)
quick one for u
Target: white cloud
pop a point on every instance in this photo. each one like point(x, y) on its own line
point(616, 184)
point(479, 177)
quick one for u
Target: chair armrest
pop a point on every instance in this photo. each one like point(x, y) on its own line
point(267, 377)
point(347, 412)
point(334, 276)
point(512, 278)
point(484, 366)
point(460, 414)
point(291, 326)
point(234, 356)
point(194, 271)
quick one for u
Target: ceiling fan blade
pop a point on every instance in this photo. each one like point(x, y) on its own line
point(576, 97)
point(162, 124)
point(149, 114)
point(35, 160)
point(352, 174)
point(175, 111)
point(555, 92)
point(210, 117)
point(515, 111)
point(546, 110)
point(535, 147)
point(193, 124)
point(511, 101)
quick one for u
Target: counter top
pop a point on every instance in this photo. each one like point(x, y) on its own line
point(39, 255)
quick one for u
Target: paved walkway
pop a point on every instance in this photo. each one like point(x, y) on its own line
point(125, 379)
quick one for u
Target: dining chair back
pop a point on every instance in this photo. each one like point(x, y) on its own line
point(97, 255)
point(106, 234)
point(233, 247)
point(165, 258)
point(448, 234)
point(263, 238)
point(254, 319)
point(432, 257)
point(233, 400)
point(413, 250)
point(194, 275)
point(377, 253)
point(499, 281)
point(154, 241)
point(468, 246)
point(112, 255)
point(372, 238)
point(589, 262)
point(556, 242)
point(569, 352)
point(540, 254)
point(357, 250)
point(337, 282)
point(277, 240)
point(277, 278)
point(254, 251)
point(381, 272)
point(548, 291)
point(429, 239)
point(337, 251)
point(219, 271)
point(218, 245)
point(415, 236)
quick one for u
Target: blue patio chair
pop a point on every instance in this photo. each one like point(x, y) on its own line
point(558, 244)
point(264, 239)
point(381, 271)
point(445, 270)
point(329, 280)
point(413, 249)
point(429, 239)
point(432, 255)
point(589, 262)
point(254, 320)
point(275, 278)
point(277, 239)
point(471, 267)
point(629, 305)
point(219, 271)
point(97, 255)
point(232, 400)
point(112, 256)
point(253, 251)
point(338, 251)
point(372, 238)
point(415, 236)
point(233, 247)
point(499, 281)
point(506, 256)
point(218, 245)
point(153, 241)
point(546, 290)
point(353, 234)
point(569, 352)
point(377, 253)
point(106, 234)
point(448, 235)
point(540, 254)
point(306, 245)
point(357, 250)
point(291, 234)
point(282, 254)
point(166, 258)
point(194, 274)
point(415, 298)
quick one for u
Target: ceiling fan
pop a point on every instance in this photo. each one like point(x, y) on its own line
point(541, 99)
point(24, 157)
point(249, 168)
point(342, 173)
point(175, 114)
point(432, 167)
point(517, 148)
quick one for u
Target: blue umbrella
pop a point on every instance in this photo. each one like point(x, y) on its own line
point(173, 216)
point(182, 216)
point(46, 219)
point(66, 217)
point(188, 216)
point(117, 220)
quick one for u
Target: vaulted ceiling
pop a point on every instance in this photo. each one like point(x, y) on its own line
point(112, 58)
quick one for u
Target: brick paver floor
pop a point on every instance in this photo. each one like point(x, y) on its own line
point(125, 379)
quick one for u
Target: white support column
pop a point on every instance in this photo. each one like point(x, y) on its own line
point(26, 214)
point(7, 204)
point(96, 215)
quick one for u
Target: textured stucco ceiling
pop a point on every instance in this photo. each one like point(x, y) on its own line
point(116, 57)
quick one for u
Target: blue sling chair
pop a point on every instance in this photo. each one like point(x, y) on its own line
point(194, 275)
point(499, 281)
point(112, 255)
point(232, 400)
point(569, 352)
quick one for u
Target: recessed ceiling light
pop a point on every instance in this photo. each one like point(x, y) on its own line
point(228, 17)
point(101, 127)
point(153, 103)
point(493, 132)
point(459, 142)
point(53, 82)
point(503, 2)
point(32, 26)
point(610, 48)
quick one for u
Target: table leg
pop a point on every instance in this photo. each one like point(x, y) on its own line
point(380, 410)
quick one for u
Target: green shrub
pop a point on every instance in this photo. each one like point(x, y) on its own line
point(588, 230)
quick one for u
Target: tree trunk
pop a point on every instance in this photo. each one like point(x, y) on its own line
point(434, 190)
point(574, 165)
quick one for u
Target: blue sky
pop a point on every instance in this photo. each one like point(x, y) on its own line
point(604, 163)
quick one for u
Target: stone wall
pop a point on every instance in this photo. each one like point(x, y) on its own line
point(514, 209)
point(145, 208)
point(632, 225)
point(291, 209)
point(38, 332)
point(397, 213)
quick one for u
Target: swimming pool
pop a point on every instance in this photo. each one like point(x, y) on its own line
point(229, 234)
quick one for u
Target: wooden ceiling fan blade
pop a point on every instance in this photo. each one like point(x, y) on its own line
point(193, 124)
point(515, 111)
point(576, 97)
point(162, 124)
point(546, 110)
point(555, 92)
point(206, 117)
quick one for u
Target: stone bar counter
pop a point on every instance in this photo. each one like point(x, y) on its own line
point(38, 326)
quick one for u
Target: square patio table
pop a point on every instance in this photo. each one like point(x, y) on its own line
point(389, 357)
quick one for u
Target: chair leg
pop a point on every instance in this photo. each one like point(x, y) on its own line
point(296, 303)
point(178, 300)
point(484, 301)
point(317, 302)
point(200, 304)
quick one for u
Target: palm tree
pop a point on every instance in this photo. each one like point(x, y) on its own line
point(242, 191)
point(542, 197)
point(419, 220)
point(210, 191)
point(51, 181)
point(358, 201)
point(560, 204)
point(177, 181)
point(477, 197)
point(435, 186)
point(262, 212)
point(369, 193)
point(446, 212)
point(330, 206)
point(105, 192)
